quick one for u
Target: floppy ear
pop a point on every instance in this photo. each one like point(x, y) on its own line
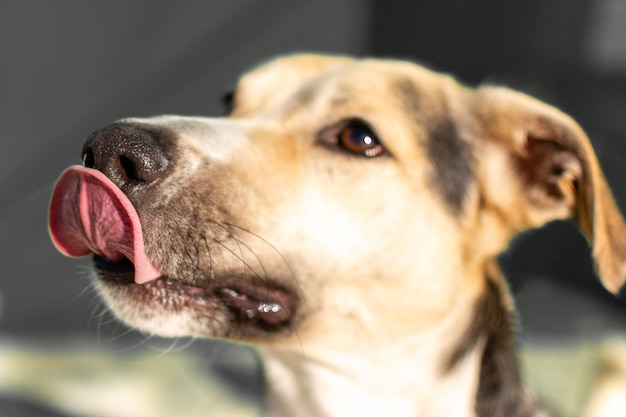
point(559, 173)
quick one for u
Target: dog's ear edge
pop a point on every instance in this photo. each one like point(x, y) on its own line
point(559, 168)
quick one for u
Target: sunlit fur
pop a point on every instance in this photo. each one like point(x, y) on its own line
point(387, 263)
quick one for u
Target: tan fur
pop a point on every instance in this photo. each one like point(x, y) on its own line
point(387, 265)
point(512, 118)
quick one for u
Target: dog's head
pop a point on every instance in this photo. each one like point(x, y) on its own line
point(340, 201)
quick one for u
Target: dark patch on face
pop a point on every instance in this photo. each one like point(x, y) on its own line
point(448, 152)
point(500, 388)
point(451, 158)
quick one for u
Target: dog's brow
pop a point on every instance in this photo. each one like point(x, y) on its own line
point(410, 98)
point(305, 95)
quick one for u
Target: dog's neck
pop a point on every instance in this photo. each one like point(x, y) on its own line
point(408, 377)
point(349, 385)
point(412, 378)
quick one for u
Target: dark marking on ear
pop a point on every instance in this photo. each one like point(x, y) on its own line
point(500, 388)
point(449, 153)
point(543, 165)
point(451, 159)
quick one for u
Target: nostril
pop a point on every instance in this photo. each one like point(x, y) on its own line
point(129, 169)
point(130, 155)
point(88, 158)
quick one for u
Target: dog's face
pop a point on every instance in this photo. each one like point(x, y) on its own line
point(340, 202)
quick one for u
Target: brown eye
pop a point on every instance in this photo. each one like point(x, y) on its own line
point(358, 139)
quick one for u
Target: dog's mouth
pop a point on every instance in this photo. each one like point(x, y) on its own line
point(90, 214)
point(253, 302)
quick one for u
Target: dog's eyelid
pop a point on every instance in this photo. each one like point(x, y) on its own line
point(354, 136)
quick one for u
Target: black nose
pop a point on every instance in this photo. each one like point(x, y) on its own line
point(130, 155)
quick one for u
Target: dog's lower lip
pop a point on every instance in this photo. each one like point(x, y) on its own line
point(263, 304)
point(271, 307)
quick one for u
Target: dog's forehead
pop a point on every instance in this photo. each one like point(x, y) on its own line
point(414, 110)
point(305, 77)
point(273, 82)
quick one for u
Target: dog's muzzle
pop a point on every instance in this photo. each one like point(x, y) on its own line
point(90, 211)
point(96, 209)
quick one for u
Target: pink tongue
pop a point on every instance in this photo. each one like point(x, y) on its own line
point(88, 213)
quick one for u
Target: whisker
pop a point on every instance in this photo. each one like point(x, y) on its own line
point(241, 257)
point(285, 261)
point(100, 324)
point(238, 257)
point(194, 258)
point(282, 257)
point(42, 192)
point(100, 309)
point(257, 257)
point(106, 318)
point(208, 249)
point(173, 346)
point(143, 341)
point(265, 274)
point(88, 290)
point(243, 261)
point(119, 335)
point(246, 265)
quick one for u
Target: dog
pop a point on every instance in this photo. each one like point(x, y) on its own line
point(344, 218)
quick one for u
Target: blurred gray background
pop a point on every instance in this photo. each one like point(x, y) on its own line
point(70, 67)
